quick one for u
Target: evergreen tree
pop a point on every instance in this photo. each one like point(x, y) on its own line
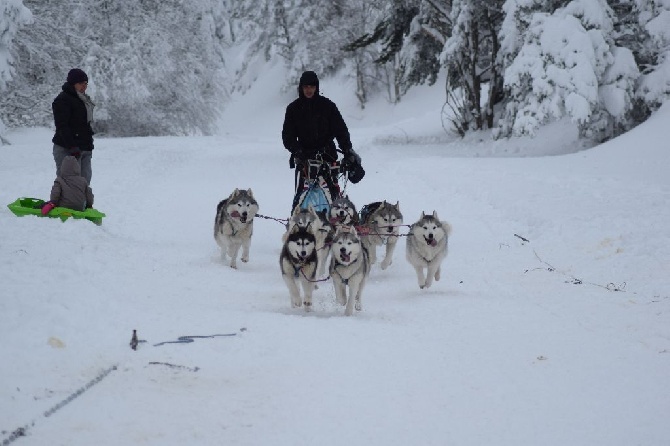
point(471, 57)
point(167, 67)
point(419, 60)
point(568, 66)
point(13, 15)
point(154, 66)
point(154, 80)
point(388, 36)
point(654, 18)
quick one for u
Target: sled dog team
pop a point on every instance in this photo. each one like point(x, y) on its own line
point(350, 240)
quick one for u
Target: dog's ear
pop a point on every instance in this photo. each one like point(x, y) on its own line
point(397, 205)
point(435, 216)
point(295, 229)
point(296, 211)
point(251, 194)
point(423, 215)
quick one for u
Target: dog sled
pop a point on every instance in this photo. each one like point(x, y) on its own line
point(33, 206)
point(317, 184)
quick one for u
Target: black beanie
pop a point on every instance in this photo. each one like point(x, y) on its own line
point(309, 78)
point(76, 75)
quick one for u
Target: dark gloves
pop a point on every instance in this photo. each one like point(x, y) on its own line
point(351, 158)
point(47, 207)
point(352, 165)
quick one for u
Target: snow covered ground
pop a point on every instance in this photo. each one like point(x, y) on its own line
point(563, 339)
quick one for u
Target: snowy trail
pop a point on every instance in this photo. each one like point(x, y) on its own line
point(494, 353)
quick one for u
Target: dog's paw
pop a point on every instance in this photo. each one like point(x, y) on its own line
point(386, 264)
point(244, 259)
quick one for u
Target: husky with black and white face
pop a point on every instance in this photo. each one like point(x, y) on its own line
point(343, 212)
point(302, 218)
point(298, 263)
point(349, 268)
point(234, 225)
point(318, 224)
point(382, 227)
point(426, 248)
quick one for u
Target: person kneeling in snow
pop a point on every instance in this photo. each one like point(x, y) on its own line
point(70, 189)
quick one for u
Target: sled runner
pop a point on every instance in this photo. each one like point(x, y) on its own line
point(33, 206)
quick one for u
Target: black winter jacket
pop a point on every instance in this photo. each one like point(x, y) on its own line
point(72, 126)
point(310, 125)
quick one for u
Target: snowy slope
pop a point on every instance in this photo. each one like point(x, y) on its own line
point(520, 343)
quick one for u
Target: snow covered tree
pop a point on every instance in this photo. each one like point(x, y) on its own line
point(155, 67)
point(355, 18)
point(654, 86)
point(309, 36)
point(418, 58)
point(471, 57)
point(388, 37)
point(13, 15)
point(302, 34)
point(46, 52)
point(159, 67)
point(616, 71)
point(569, 67)
point(153, 80)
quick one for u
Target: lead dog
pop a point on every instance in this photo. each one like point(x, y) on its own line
point(234, 225)
point(427, 244)
point(318, 224)
point(380, 225)
point(349, 268)
point(298, 263)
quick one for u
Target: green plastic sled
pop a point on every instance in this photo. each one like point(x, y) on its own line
point(33, 206)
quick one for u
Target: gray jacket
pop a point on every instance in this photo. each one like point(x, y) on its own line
point(71, 190)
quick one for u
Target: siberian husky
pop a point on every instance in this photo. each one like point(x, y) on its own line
point(427, 243)
point(349, 268)
point(317, 223)
point(234, 225)
point(343, 212)
point(303, 218)
point(380, 225)
point(298, 263)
